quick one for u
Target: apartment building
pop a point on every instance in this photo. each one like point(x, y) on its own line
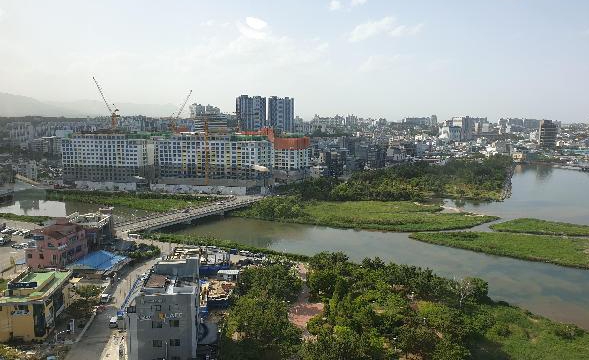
point(107, 156)
point(31, 303)
point(281, 114)
point(547, 134)
point(251, 112)
point(230, 156)
point(57, 245)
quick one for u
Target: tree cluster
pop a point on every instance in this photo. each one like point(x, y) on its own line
point(379, 311)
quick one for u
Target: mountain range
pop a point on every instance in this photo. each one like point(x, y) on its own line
point(18, 105)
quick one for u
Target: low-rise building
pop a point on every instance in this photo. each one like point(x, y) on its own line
point(57, 245)
point(31, 303)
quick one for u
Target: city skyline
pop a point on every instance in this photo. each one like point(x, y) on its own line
point(372, 58)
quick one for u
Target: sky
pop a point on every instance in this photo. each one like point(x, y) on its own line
point(387, 58)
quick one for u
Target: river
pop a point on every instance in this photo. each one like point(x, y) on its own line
point(556, 292)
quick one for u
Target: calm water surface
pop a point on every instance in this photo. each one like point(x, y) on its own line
point(554, 194)
point(557, 292)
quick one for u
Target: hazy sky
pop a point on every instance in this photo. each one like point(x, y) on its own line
point(524, 58)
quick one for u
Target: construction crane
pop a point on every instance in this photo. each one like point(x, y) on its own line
point(174, 118)
point(113, 114)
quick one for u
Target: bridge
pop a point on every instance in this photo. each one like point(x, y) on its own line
point(158, 221)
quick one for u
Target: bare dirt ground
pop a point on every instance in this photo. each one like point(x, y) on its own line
point(303, 310)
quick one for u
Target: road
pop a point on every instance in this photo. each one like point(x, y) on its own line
point(157, 221)
point(93, 343)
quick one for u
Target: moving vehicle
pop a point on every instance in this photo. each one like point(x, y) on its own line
point(105, 298)
point(113, 324)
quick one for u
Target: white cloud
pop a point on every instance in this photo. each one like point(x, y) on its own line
point(386, 25)
point(357, 2)
point(335, 5)
point(253, 28)
point(255, 23)
point(379, 63)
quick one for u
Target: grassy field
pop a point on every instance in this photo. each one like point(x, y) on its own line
point(541, 227)
point(142, 201)
point(518, 334)
point(370, 215)
point(24, 218)
point(557, 250)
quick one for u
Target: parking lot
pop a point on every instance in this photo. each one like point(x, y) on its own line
point(15, 247)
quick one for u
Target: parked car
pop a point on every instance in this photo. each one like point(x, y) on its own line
point(105, 298)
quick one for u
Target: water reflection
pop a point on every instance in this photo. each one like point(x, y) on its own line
point(554, 291)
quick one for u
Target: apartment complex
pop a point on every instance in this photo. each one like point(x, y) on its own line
point(107, 156)
point(281, 114)
point(31, 303)
point(162, 320)
point(230, 156)
point(57, 245)
point(250, 112)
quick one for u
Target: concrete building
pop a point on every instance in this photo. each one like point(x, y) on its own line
point(467, 126)
point(31, 303)
point(198, 109)
point(162, 320)
point(421, 121)
point(281, 114)
point(57, 245)
point(107, 157)
point(250, 112)
point(547, 134)
point(217, 123)
point(230, 156)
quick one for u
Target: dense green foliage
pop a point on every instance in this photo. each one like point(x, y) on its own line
point(541, 227)
point(88, 292)
point(145, 252)
point(371, 215)
point(24, 218)
point(143, 201)
point(378, 311)
point(482, 179)
point(257, 326)
point(557, 250)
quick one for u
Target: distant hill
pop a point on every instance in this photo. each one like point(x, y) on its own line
point(17, 105)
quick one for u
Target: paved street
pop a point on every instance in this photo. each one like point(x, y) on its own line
point(93, 344)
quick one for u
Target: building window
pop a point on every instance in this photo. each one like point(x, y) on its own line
point(157, 343)
point(156, 324)
point(41, 256)
point(156, 308)
point(174, 342)
point(174, 323)
point(29, 256)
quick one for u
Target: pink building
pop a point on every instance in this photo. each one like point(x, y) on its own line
point(57, 245)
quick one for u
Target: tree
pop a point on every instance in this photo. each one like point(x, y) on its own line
point(263, 322)
point(469, 289)
point(88, 292)
point(447, 349)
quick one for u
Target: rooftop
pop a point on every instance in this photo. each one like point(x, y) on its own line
point(42, 284)
point(58, 231)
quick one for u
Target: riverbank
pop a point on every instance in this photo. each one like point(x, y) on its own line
point(399, 216)
point(24, 218)
point(572, 252)
point(153, 202)
point(541, 227)
point(503, 331)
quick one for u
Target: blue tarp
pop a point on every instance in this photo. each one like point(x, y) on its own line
point(99, 260)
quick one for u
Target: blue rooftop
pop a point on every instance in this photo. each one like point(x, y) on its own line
point(100, 260)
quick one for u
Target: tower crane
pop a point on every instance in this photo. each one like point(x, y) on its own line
point(113, 114)
point(174, 118)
